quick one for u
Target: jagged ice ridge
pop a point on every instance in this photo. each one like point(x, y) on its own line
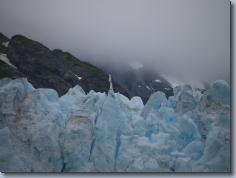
point(99, 132)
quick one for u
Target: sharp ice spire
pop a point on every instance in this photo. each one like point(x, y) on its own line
point(111, 87)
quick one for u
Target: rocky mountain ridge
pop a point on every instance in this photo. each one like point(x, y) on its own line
point(50, 69)
point(45, 68)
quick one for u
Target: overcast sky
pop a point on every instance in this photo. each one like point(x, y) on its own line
point(187, 39)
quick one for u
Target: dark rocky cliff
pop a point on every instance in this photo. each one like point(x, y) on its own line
point(55, 69)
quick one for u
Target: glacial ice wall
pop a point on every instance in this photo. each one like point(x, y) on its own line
point(98, 132)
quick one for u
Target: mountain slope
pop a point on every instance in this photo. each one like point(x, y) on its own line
point(3, 43)
point(55, 69)
point(59, 70)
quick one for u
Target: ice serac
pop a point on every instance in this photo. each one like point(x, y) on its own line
point(154, 103)
point(77, 139)
point(32, 121)
point(136, 103)
point(113, 121)
point(185, 98)
point(218, 94)
point(99, 132)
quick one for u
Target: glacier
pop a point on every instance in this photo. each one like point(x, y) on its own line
point(99, 132)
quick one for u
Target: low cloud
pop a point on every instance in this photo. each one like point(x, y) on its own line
point(186, 39)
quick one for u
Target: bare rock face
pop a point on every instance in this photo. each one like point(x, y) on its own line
point(60, 70)
point(6, 68)
point(51, 69)
point(3, 43)
point(9, 71)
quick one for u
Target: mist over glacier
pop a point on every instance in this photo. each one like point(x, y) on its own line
point(99, 132)
point(187, 39)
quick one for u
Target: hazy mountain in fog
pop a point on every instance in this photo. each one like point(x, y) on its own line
point(45, 68)
point(140, 80)
point(186, 39)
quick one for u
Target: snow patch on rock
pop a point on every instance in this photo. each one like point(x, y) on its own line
point(3, 57)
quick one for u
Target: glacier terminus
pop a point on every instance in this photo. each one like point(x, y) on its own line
point(99, 132)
